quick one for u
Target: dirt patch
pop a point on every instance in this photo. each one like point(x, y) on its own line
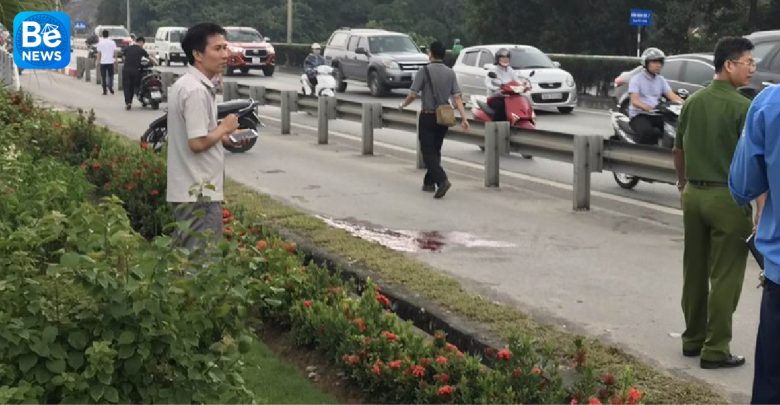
point(329, 379)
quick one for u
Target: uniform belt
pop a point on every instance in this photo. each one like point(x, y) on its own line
point(702, 183)
point(428, 111)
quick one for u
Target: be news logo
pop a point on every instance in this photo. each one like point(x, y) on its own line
point(41, 40)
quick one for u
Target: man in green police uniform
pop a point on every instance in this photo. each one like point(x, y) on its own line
point(715, 226)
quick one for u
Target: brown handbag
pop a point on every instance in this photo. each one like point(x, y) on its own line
point(445, 114)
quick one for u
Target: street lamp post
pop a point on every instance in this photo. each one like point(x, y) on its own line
point(128, 16)
point(289, 21)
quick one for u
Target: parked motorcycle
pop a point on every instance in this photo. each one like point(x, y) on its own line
point(326, 83)
point(519, 110)
point(624, 133)
point(150, 89)
point(157, 133)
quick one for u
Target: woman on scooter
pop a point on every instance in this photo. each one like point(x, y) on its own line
point(311, 62)
point(504, 74)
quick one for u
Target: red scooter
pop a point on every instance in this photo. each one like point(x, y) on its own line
point(519, 111)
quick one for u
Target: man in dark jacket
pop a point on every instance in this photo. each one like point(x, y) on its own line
point(131, 72)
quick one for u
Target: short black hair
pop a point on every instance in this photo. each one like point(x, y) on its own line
point(197, 37)
point(730, 48)
point(437, 49)
point(105, 33)
point(140, 39)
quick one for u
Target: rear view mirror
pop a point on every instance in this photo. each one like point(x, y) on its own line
point(556, 64)
point(492, 75)
point(361, 51)
point(266, 39)
point(424, 49)
point(488, 66)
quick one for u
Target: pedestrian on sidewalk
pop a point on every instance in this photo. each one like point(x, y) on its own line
point(437, 84)
point(131, 71)
point(716, 227)
point(196, 156)
point(106, 49)
point(755, 171)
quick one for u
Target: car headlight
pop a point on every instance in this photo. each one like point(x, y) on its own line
point(392, 65)
point(570, 81)
point(270, 49)
point(236, 49)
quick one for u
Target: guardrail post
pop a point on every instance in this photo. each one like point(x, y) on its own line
point(493, 133)
point(167, 82)
point(588, 152)
point(257, 93)
point(289, 104)
point(230, 91)
point(98, 76)
point(323, 115)
point(372, 119)
point(420, 161)
point(88, 71)
point(80, 65)
point(120, 85)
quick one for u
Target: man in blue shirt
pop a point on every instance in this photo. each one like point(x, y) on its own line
point(755, 170)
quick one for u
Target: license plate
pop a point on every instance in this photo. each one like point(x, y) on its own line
point(156, 94)
point(256, 61)
point(552, 96)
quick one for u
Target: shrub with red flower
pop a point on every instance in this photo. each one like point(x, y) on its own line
point(360, 324)
point(382, 299)
point(634, 395)
point(417, 371)
point(351, 359)
point(390, 336)
point(504, 354)
point(307, 304)
point(442, 378)
point(441, 360)
point(445, 391)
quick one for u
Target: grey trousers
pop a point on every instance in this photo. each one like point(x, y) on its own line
point(205, 224)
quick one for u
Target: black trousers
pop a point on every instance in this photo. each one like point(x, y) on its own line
point(648, 128)
point(131, 81)
point(431, 136)
point(312, 76)
point(107, 76)
point(499, 107)
point(766, 379)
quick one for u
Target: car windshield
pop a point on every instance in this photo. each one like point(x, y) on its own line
point(391, 43)
point(117, 32)
point(529, 59)
point(244, 35)
point(176, 36)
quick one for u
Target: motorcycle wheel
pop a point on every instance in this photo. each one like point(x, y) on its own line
point(625, 181)
point(244, 123)
point(155, 137)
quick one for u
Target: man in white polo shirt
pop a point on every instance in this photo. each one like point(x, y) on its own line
point(106, 49)
point(196, 157)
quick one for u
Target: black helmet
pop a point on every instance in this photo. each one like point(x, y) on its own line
point(501, 52)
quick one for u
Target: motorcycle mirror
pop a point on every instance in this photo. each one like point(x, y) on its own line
point(492, 75)
point(683, 93)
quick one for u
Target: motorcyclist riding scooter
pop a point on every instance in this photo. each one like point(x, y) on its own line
point(310, 64)
point(503, 74)
point(646, 90)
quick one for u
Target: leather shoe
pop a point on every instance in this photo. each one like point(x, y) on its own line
point(692, 352)
point(729, 362)
point(442, 190)
point(429, 188)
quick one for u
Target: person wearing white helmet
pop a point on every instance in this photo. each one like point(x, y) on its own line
point(646, 90)
point(311, 62)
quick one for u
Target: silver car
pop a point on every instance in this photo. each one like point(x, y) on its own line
point(550, 85)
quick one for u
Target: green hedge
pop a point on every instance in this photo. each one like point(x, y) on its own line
point(595, 74)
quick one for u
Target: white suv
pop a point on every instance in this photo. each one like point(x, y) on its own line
point(551, 86)
point(167, 43)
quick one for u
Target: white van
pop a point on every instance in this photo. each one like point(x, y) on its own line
point(167, 43)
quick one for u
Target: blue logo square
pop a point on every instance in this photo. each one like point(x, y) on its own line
point(42, 40)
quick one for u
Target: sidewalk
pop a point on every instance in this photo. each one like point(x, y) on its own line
point(603, 272)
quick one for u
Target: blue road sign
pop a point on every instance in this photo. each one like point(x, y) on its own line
point(80, 25)
point(641, 18)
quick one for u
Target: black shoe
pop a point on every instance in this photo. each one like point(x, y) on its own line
point(429, 188)
point(692, 352)
point(442, 190)
point(127, 107)
point(111, 90)
point(104, 92)
point(729, 362)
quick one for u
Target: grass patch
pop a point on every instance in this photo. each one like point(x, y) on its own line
point(504, 321)
point(276, 381)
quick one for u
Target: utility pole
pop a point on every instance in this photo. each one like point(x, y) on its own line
point(289, 21)
point(128, 17)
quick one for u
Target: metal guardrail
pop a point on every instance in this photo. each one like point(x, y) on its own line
point(9, 74)
point(587, 153)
